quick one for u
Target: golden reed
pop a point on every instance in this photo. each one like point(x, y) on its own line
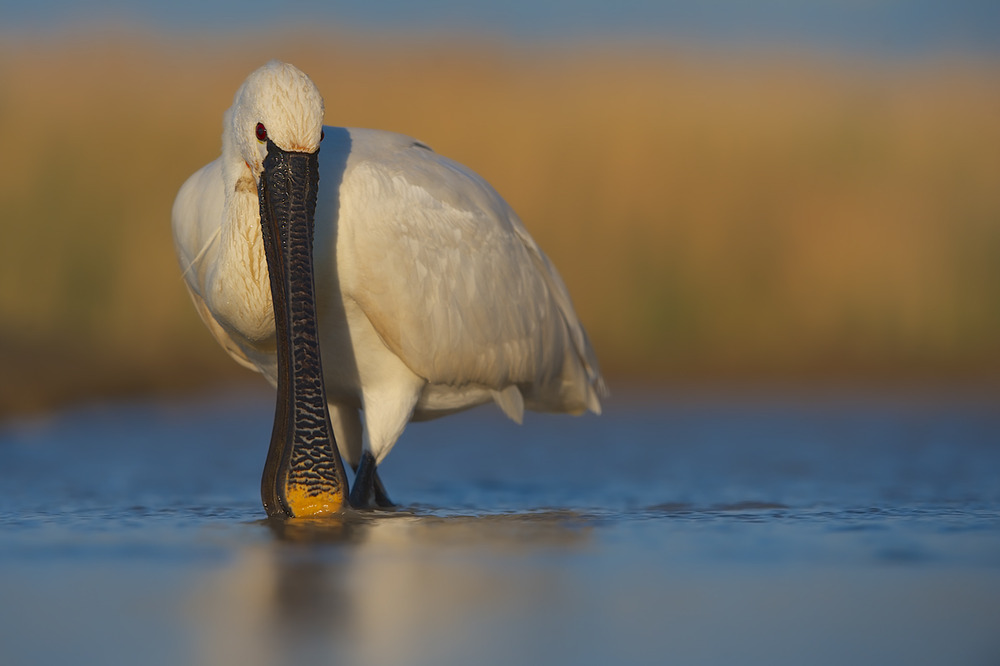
point(770, 216)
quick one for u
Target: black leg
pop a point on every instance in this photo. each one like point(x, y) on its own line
point(368, 491)
point(381, 497)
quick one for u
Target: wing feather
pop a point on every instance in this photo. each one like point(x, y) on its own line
point(451, 280)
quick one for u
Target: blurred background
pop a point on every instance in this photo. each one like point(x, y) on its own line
point(734, 192)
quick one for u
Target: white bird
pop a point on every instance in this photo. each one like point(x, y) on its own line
point(429, 294)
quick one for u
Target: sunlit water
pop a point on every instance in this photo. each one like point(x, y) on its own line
point(717, 530)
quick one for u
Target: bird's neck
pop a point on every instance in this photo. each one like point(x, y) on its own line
point(241, 290)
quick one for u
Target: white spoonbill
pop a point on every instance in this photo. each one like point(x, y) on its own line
point(374, 282)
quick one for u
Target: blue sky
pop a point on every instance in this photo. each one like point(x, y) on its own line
point(879, 27)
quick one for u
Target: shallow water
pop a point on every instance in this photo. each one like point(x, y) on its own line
point(717, 530)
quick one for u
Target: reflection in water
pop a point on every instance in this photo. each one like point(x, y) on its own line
point(382, 588)
point(714, 533)
point(562, 587)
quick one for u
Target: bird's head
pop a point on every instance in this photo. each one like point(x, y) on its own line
point(275, 127)
point(277, 103)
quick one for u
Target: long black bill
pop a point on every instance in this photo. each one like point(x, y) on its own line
point(303, 475)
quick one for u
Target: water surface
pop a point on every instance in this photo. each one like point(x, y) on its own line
point(718, 530)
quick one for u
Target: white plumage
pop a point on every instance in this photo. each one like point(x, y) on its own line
point(431, 295)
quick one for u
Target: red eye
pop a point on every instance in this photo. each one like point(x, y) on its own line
point(261, 132)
